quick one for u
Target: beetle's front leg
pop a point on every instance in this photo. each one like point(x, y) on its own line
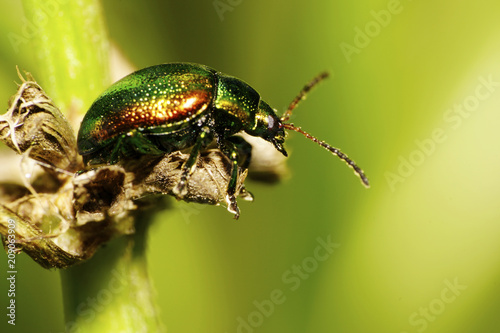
point(232, 147)
point(245, 156)
point(180, 190)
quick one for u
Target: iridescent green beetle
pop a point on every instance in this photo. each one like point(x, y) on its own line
point(170, 107)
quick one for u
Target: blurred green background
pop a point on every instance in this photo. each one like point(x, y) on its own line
point(414, 99)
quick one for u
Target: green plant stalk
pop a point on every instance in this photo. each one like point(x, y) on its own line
point(111, 292)
point(70, 46)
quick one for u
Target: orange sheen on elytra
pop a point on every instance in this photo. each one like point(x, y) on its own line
point(159, 113)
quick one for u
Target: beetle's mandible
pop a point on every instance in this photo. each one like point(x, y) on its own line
point(169, 107)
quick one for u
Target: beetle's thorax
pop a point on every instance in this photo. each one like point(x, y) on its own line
point(239, 107)
point(236, 102)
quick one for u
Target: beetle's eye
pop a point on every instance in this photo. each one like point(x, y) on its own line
point(270, 122)
point(273, 124)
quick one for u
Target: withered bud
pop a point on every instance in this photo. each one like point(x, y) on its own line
point(34, 125)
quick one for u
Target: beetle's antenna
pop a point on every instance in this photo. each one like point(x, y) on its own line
point(286, 116)
point(302, 95)
point(334, 151)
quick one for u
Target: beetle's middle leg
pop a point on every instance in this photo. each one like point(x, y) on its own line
point(180, 190)
point(244, 150)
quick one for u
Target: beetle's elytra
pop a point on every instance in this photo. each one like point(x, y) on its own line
point(169, 107)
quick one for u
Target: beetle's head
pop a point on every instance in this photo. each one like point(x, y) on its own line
point(269, 127)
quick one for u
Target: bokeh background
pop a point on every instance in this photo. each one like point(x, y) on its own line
point(414, 99)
